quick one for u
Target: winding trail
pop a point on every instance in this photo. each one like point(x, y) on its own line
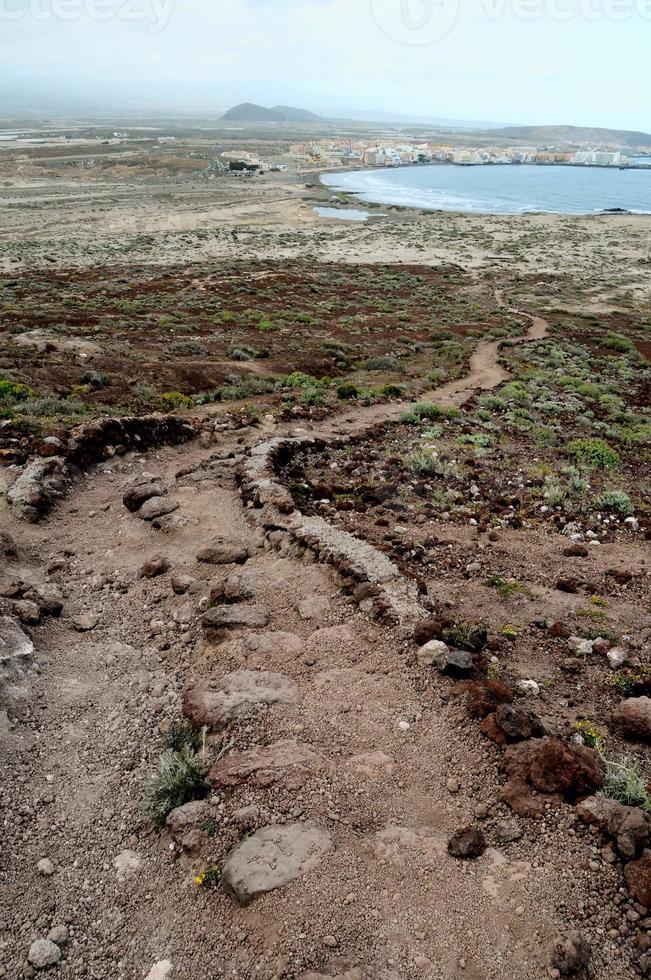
point(397, 770)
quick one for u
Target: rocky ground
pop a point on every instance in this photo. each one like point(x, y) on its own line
point(355, 821)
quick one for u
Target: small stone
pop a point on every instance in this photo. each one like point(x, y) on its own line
point(617, 657)
point(156, 566)
point(429, 653)
point(85, 622)
point(507, 831)
point(469, 842)
point(45, 867)
point(571, 955)
point(531, 688)
point(58, 935)
point(43, 953)
point(330, 941)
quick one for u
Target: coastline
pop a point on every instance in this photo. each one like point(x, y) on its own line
point(357, 197)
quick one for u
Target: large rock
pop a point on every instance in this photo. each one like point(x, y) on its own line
point(638, 879)
point(273, 857)
point(135, 496)
point(510, 723)
point(227, 617)
point(157, 507)
point(551, 766)
point(267, 765)
point(41, 483)
point(429, 653)
point(633, 718)
point(216, 705)
point(16, 651)
point(224, 552)
point(629, 826)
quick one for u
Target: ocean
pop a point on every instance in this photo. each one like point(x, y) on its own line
point(501, 189)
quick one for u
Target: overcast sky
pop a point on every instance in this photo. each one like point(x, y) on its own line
point(514, 61)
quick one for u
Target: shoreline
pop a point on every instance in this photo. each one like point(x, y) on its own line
point(356, 196)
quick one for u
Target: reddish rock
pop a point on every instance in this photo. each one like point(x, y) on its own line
point(156, 566)
point(633, 718)
point(560, 630)
point(484, 697)
point(638, 879)
point(576, 551)
point(469, 842)
point(552, 766)
point(572, 770)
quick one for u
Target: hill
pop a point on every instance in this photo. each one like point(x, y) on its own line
point(250, 112)
point(573, 135)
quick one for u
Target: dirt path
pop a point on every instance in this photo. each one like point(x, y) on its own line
point(390, 769)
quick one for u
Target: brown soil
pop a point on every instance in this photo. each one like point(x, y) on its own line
point(388, 900)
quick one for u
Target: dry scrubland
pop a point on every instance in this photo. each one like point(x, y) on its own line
point(409, 741)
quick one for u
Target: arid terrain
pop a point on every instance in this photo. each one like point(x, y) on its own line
point(325, 608)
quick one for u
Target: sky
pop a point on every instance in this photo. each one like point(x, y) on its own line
point(582, 62)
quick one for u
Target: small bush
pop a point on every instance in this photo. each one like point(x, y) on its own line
point(13, 391)
point(624, 783)
point(181, 778)
point(173, 400)
point(347, 391)
point(615, 341)
point(593, 453)
point(421, 462)
point(380, 364)
point(616, 500)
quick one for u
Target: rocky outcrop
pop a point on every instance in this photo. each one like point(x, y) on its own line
point(273, 857)
point(553, 768)
point(16, 653)
point(217, 704)
point(38, 487)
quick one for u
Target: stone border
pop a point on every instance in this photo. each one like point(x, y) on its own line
point(43, 481)
point(380, 585)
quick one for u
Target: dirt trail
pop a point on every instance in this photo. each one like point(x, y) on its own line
point(396, 768)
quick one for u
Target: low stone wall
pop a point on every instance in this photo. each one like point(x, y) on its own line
point(46, 479)
point(388, 595)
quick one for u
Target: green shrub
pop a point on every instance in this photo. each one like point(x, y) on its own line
point(593, 453)
point(393, 391)
point(347, 391)
point(13, 391)
point(172, 400)
point(380, 364)
point(181, 778)
point(615, 341)
point(616, 500)
point(421, 461)
point(428, 410)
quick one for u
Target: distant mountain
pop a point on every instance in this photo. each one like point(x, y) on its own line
point(290, 114)
point(249, 112)
point(573, 135)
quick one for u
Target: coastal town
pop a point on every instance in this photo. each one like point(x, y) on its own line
point(396, 153)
